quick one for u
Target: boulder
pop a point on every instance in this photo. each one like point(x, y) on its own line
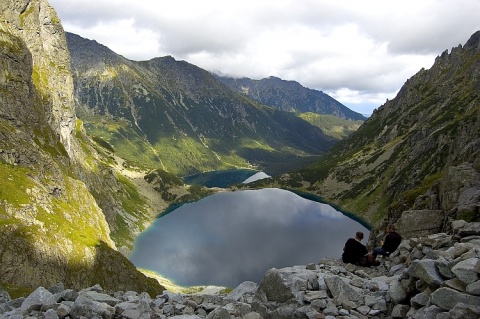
point(400, 311)
point(463, 311)
point(339, 288)
point(465, 270)
point(87, 307)
point(474, 288)
point(284, 284)
point(397, 293)
point(447, 298)
point(101, 297)
point(36, 299)
point(417, 223)
point(247, 287)
point(426, 270)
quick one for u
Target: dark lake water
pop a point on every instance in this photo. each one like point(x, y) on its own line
point(231, 237)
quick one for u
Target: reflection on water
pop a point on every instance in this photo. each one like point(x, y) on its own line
point(228, 238)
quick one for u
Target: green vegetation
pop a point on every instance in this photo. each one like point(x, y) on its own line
point(136, 213)
point(409, 196)
point(332, 126)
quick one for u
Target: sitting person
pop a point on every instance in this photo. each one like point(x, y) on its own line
point(354, 252)
point(389, 244)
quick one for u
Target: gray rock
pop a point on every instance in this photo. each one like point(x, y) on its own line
point(339, 288)
point(380, 305)
point(459, 249)
point(285, 311)
point(456, 284)
point(465, 270)
point(320, 304)
point(313, 295)
point(58, 288)
point(400, 311)
point(101, 297)
point(370, 301)
point(396, 269)
point(364, 310)
point(50, 314)
point(86, 307)
point(284, 284)
point(469, 229)
point(447, 298)
point(420, 300)
point(416, 223)
point(350, 267)
point(432, 311)
point(252, 315)
point(458, 224)
point(63, 310)
point(426, 270)
point(36, 299)
point(397, 293)
point(474, 288)
point(463, 311)
point(247, 287)
point(436, 240)
point(311, 266)
point(349, 305)
point(444, 268)
point(331, 310)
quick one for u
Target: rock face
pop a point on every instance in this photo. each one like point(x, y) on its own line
point(52, 227)
point(437, 276)
point(35, 26)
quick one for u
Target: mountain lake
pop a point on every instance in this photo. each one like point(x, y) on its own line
point(231, 237)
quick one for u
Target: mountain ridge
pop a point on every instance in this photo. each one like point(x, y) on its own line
point(289, 96)
point(178, 108)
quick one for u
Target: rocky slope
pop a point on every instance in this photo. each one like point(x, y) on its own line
point(290, 96)
point(52, 227)
point(173, 115)
point(437, 276)
point(416, 160)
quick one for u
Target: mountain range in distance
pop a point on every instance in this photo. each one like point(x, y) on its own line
point(173, 115)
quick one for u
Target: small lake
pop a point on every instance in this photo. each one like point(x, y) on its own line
point(231, 237)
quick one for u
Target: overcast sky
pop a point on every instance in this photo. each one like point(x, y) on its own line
point(359, 52)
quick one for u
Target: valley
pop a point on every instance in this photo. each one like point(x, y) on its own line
point(94, 146)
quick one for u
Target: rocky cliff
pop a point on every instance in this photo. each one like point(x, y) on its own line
point(52, 228)
point(415, 161)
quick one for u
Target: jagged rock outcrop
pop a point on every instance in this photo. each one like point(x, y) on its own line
point(436, 276)
point(35, 27)
point(52, 227)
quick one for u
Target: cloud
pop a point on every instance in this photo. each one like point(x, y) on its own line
point(367, 47)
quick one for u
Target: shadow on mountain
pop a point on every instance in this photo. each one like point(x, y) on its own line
point(25, 266)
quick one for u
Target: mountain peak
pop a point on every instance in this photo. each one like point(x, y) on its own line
point(474, 41)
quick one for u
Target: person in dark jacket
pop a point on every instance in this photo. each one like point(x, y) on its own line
point(389, 244)
point(354, 252)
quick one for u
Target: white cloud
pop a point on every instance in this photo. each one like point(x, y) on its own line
point(367, 48)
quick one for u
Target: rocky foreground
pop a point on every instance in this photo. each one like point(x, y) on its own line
point(436, 276)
